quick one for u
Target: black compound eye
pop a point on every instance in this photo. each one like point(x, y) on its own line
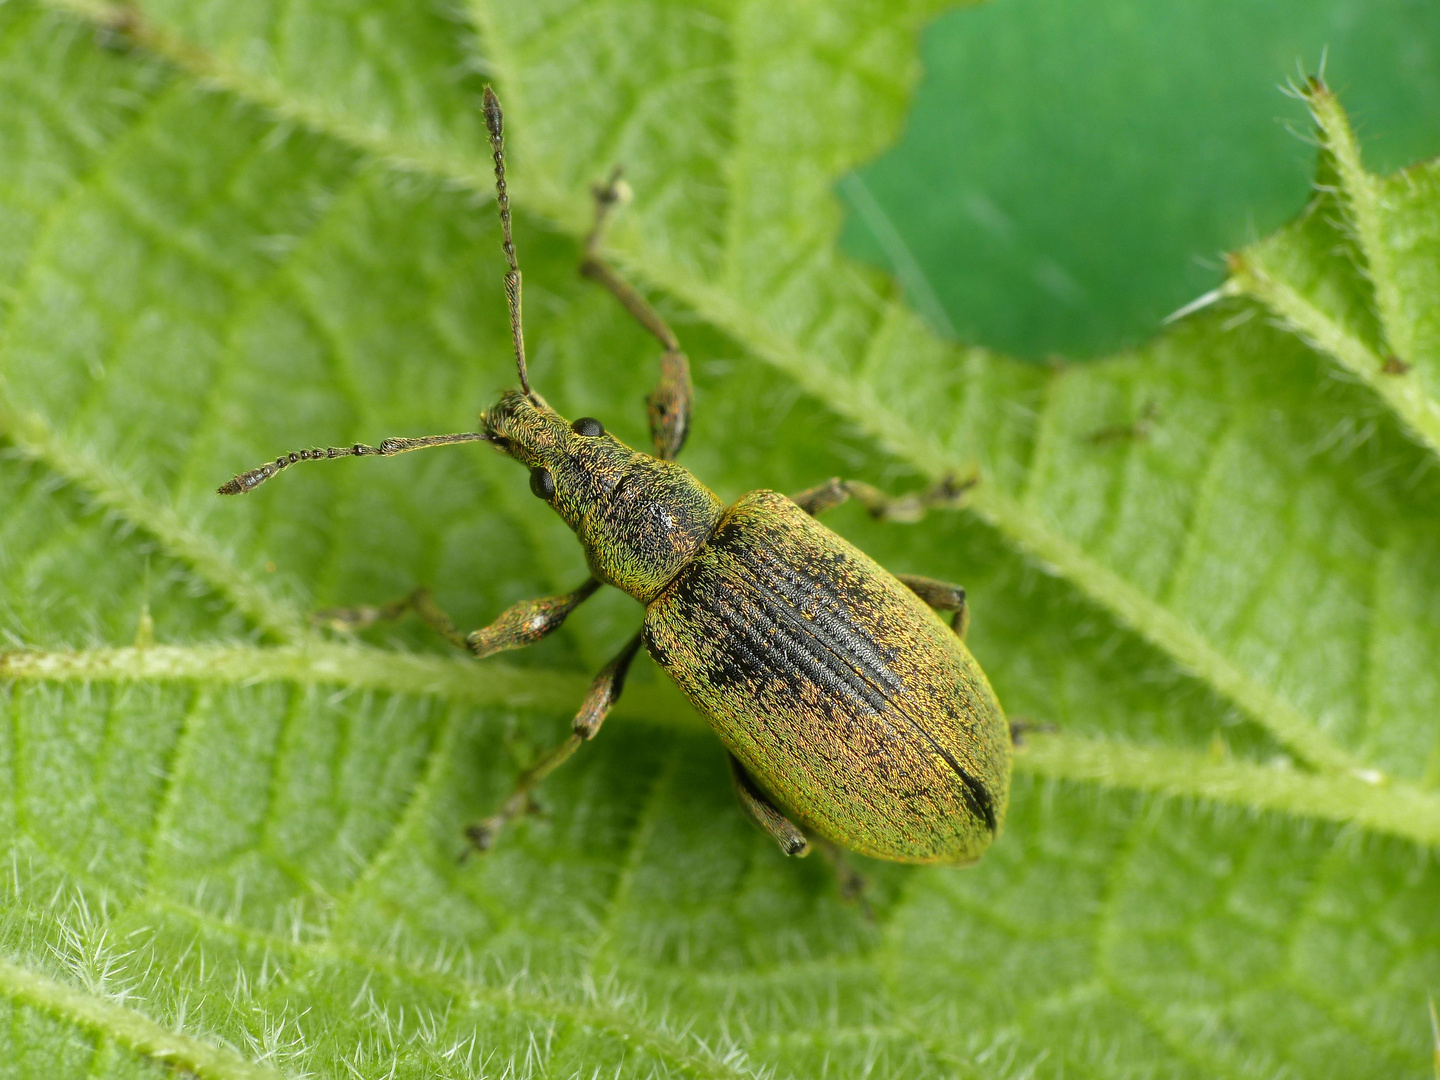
point(588, 426)
point(542, 483)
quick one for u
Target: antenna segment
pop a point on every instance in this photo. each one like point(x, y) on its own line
point(495, 121)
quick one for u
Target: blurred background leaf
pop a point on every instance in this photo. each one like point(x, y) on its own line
point(1071, 173)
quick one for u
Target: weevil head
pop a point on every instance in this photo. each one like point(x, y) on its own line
point(572, 466)
point(639, 519)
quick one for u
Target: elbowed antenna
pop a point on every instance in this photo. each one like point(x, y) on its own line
point(249, 481)
point(495, 121)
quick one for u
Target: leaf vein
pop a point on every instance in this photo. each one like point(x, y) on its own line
point(1025, 529)
point(1405, 395)
point(1392, 807)
point(132, 1029)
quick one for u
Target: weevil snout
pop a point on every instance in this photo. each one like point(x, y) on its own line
point(573, 466)
point(523, 427)
point(638, 518)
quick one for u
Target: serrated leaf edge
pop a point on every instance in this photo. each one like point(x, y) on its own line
point(1359, 201)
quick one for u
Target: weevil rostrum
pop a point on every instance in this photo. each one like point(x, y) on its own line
point(849, 710)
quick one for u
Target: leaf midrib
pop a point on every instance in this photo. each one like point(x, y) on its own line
point(1382, 806)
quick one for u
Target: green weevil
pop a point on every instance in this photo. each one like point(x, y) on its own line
point(848, 708)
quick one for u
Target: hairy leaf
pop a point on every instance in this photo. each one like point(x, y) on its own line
point(234, 230)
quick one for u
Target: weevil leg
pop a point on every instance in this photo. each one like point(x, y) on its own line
point(421, 602)
point(942, 596)
point(528, 621)
point(906, 509)
point(1021, 727)
point(517, 626)
point(669, 403)
point(759, 809)
point(853, 885)
point(604, 692)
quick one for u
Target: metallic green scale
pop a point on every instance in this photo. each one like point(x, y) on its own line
point(843, 700)
point(841, 692)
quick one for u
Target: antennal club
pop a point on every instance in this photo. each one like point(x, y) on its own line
point(495, 121)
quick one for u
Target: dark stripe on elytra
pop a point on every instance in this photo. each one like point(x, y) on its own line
point(833, 614)
point(800, 656)
point(825, 667)
point(848, 640)
point(843, 646)
point(736, 655)
point(740, 655)
point(800, 633)
point(977, 797)
point(832, 624)
point(739, 646)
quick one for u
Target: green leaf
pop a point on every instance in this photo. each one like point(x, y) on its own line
point(1357, 274)
point(233, 230)
point(1069, 174)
